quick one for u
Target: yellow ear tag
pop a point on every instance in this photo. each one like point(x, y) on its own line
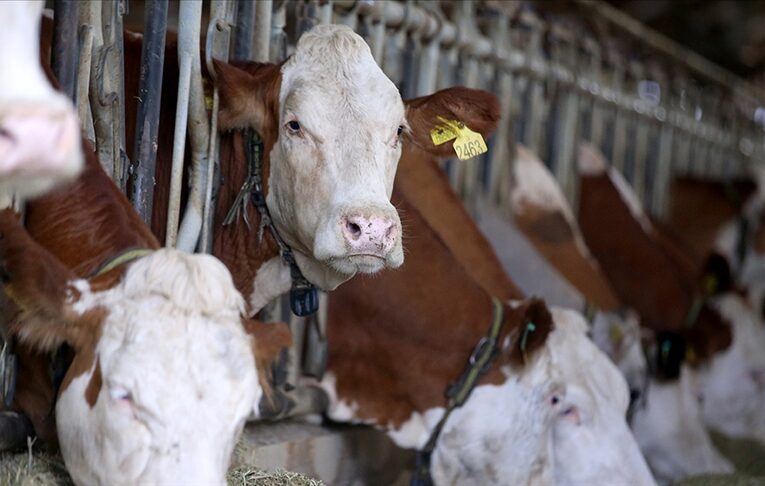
point(690, 355)
point(444, 132)
point(616, 335)
point(468, 143)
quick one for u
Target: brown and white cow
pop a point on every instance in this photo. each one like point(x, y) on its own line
point(549, 409)
point(331, 124)
point(39, 130)
point(163, 375)
point(648, 274)
point(541, 245)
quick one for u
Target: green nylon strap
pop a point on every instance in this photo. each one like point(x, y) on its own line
point(589, 311)
point(120, 259)
point(477, 364)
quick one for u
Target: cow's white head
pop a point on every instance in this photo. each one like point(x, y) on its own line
point(39, 131)
point(733, 382)
point(620, 338)
point(163, 377)
point(560, 420)
point(671, 432)
point(332, 123)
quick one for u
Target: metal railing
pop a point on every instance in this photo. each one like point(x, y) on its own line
point(590, 73)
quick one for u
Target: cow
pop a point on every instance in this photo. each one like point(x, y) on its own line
point(330, 125)
point(397, 340)
point(39, 130)
point(648, 275)
point(162, 376)
point(541, 245)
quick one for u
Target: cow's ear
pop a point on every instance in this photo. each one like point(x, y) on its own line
point(536, 325)
point(477, 109)
point(249, 94)
point(716, 276)
point(271, 343)
point(43, 292)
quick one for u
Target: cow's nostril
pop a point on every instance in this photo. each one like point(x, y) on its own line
point(353, 229)
point(391, 231)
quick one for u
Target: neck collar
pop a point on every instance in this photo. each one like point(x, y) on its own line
point(304, 297)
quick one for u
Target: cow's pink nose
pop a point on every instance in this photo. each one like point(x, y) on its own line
point(37, 141)
point(372, 235)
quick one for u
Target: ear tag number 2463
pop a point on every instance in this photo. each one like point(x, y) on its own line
point(467, 143)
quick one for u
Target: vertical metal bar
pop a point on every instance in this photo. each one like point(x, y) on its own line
point(307, 15)
point(663, 170)
point(149, 97)
point(263, 12)
point(278, 34)
point(218, 42)
point(65, 45)
point(245, 23)
point(83, 85)
point(189, 19)
point(113, 91)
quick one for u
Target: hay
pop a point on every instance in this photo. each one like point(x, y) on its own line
point(35, 468)
point(249, 476)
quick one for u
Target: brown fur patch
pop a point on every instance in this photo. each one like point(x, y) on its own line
point(249, 93)
point(269, 343)
point(94, 385)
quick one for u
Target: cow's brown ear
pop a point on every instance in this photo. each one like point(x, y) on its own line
point(477, 109)
point(531, 334)
point(249, 94)
point(271, 342)
point(41, 291)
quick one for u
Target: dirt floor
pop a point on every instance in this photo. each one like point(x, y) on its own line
point(747, 455)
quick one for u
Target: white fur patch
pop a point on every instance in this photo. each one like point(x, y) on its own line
point(178, 375)
point(591, 162)
point(343, 161)
point(271, 281)
point(535, 186)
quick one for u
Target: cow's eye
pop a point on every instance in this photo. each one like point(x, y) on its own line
point(400, 130)
point(293, 126)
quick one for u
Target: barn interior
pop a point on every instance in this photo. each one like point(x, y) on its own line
point(664, 90)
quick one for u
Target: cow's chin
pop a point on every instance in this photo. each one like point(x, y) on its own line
point(362, 263)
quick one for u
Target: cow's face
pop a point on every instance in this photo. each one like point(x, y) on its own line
point(620, 338)
point(501, 435)
point(167, 388)
point(341, 121)
point(671, 432)
point(559, 420)
point(39, 131)
point(592, 441)
point(332, 123)
point(733, 382)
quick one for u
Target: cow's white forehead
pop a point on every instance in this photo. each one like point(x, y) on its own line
point(173, 340)
point(582, 363)
point(333, 68)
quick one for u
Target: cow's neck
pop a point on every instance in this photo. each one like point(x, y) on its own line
point(421, 181)
point(88, 221)
point(238, 244)
point(400, 337)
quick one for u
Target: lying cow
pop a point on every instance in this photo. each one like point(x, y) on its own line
point(549, 408)
point(39, 130)
point(648, 275)
point(163, 375)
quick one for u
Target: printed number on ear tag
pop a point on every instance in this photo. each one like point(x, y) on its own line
point(468, 143)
